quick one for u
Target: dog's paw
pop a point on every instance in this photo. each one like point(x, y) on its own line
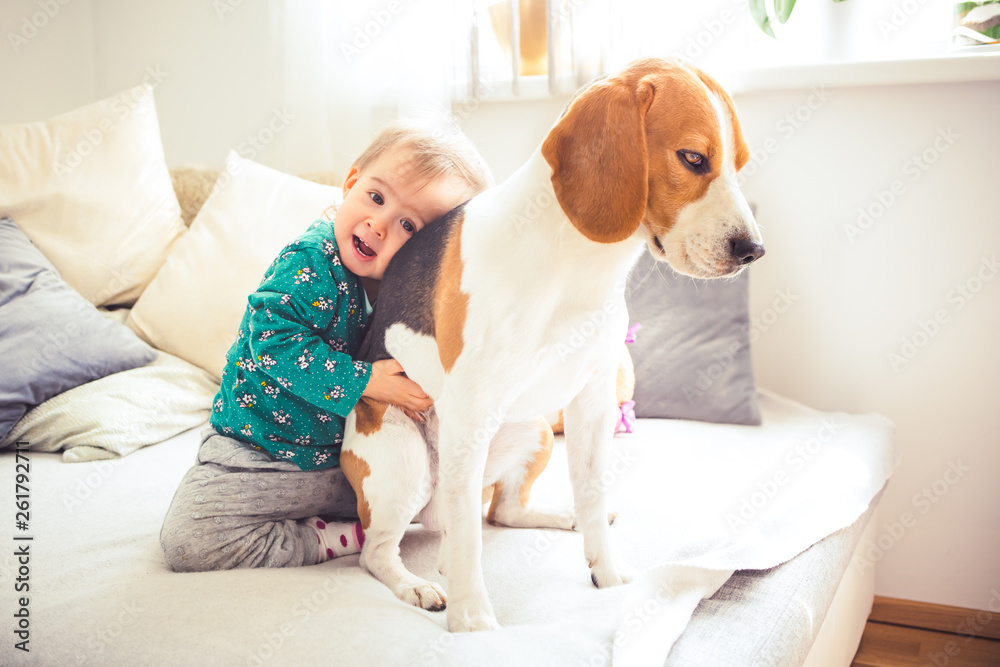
point(605, 577)
point(470, 620)
point(426, 595)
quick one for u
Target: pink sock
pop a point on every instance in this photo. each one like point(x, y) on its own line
point(336, 538)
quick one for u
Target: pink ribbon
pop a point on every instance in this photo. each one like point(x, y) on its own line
point(630, 334)
point(626, 419)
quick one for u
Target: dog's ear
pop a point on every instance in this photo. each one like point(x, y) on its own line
point(597, 151)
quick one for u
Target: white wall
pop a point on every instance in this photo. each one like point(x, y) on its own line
point(217, 73)
point(48, 69)
point(861, 296)
point(855, 301)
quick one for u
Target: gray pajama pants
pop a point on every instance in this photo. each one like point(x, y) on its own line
point(238, 508)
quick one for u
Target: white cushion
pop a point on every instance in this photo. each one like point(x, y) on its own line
point(91, 189)
point(193, 307)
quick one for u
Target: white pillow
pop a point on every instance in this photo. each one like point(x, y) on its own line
point(194, 305)
point(120, 413)
point(91, 189)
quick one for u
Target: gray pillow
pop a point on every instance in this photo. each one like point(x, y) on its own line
point(51, 338)
point(692, 355)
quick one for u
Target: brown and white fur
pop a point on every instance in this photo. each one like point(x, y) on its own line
point(520, 312)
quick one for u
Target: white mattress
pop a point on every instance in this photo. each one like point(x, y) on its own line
point(100, 592)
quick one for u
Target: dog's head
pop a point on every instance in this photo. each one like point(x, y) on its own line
point(658, 147)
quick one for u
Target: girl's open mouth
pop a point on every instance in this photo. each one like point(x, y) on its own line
point(363, 248)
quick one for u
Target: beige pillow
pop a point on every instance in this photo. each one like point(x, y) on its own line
point(91, 189)
point(193, 307)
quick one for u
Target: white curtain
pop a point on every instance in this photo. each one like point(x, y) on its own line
point(347, 68)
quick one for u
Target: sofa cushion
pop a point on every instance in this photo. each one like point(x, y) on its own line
point(90, 187)
point(692, 355)
point(51, 338)
point(116, 415)
point(193, 308)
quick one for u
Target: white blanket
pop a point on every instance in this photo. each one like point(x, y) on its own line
point(100, 592)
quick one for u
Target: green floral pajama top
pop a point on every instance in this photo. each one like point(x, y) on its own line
point(290, 379)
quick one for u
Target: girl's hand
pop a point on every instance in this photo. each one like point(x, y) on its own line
point(388, 383)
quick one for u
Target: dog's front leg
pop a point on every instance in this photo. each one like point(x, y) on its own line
point(590, 425)
point(463, 446)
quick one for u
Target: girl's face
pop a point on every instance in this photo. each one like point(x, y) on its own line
point(384, 206)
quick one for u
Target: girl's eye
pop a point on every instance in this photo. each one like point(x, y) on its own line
point(376, 197)
point(408, 226)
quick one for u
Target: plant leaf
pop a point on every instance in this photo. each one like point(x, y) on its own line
point(783, 9)
point(759, 15)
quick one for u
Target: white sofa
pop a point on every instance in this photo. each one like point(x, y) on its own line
point(101, 593)
point(749, 539)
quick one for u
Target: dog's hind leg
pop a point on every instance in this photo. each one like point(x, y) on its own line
point(385, 459)
point(522, 451)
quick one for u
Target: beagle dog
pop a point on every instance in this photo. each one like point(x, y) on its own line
point(512, 306)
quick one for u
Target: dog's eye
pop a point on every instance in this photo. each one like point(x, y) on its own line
point(696, 162)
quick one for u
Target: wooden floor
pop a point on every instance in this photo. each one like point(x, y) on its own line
point(904, 634)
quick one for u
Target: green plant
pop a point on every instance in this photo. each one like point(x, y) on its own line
point(782, 10)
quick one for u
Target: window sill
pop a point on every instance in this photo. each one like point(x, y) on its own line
point(981, 63)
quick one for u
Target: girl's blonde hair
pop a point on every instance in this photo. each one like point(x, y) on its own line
point(438, 148)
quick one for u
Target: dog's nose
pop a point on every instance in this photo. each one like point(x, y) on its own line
point(746, 251)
